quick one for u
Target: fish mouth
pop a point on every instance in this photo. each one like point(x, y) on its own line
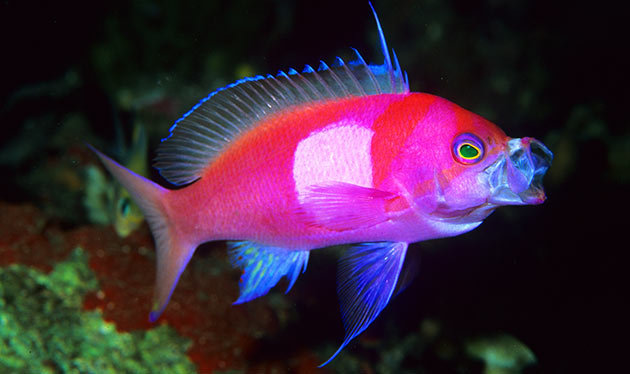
point(516, 177)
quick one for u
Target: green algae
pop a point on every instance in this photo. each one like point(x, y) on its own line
point(43, 328)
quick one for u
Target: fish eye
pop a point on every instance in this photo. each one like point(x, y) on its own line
point(125, 206)
point(468, 149)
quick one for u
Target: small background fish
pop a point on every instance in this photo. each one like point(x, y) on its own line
point(105, 200)
point(558, 288)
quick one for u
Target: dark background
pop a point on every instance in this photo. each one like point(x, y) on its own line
point(551, 275)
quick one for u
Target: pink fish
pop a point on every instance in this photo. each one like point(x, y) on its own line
point(281, 165)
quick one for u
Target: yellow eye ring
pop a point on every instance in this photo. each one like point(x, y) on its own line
point(468, 149)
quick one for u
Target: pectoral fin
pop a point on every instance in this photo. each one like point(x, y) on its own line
point(343, 206)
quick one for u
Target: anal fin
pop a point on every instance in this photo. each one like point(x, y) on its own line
point(263, 266)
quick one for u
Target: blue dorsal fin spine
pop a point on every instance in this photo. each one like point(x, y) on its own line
point(385, 50)
point(212, 124)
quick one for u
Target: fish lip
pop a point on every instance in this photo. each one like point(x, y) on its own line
point(516, 177)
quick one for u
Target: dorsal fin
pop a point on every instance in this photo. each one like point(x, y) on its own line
point(207, 129)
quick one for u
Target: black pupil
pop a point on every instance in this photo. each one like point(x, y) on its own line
point(124, 206)
point(468, 151)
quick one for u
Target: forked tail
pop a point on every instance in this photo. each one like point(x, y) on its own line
point(173, 250)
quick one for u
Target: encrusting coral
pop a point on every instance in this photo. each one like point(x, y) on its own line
point(44, 329)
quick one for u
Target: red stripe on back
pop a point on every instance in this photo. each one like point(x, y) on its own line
point(392, 129)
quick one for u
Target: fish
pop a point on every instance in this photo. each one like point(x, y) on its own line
point(345, 154)
point(105, 200)
point(125, 215)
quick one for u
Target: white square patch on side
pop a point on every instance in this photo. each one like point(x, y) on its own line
point(341, 152)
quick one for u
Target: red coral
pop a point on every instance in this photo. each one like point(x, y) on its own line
point(26, 238)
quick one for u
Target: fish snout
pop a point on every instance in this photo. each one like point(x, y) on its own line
point(516, 179)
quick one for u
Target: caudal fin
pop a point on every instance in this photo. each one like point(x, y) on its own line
point(173, 251)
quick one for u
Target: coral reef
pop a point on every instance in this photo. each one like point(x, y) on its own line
point(43, 328)
point(501, 354)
